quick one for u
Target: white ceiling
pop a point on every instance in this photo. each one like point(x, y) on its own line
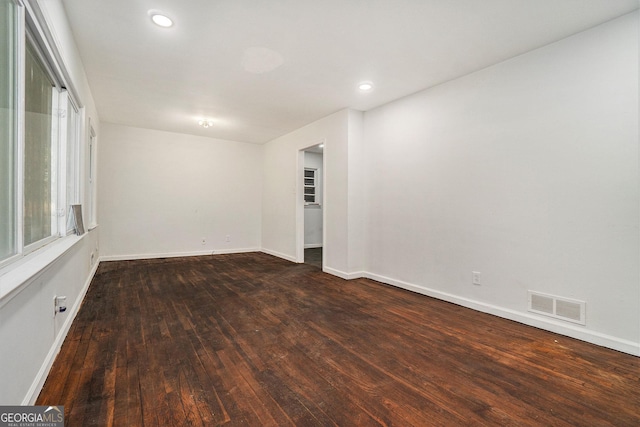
point(262, 68)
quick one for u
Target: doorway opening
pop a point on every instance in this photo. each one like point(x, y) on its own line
point(311, 199)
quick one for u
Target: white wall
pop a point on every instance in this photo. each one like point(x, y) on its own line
point(280, 181)
point(527, 172)
point(30, 334)
point(313, 213)
point(356, 188)
point(161, 193)
point(282, 209)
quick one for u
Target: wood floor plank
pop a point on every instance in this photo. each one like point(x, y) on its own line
point(250, 339)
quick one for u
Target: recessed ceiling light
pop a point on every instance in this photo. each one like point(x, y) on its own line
point(365, 86)
point(205, 123)
point(161, 20)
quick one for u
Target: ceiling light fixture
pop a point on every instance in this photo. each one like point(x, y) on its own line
point(205, 123)
point(365, 86)
point(161, 20)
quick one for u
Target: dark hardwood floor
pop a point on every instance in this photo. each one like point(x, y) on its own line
point(313, 256)
point(249, 339)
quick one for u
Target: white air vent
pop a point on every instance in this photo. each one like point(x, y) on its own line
point(557, 307)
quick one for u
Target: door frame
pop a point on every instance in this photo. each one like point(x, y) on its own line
point(300, 201)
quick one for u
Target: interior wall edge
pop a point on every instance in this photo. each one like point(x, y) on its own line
point(344, 275)
point(279, 255)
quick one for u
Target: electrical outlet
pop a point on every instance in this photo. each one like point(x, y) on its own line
point(59, 305)
point(227, 239)
point(475, 278)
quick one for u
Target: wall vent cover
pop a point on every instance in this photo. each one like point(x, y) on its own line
point(557, 307)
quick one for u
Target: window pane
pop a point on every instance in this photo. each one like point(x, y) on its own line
point(8, 84)
point(72, 156)
point(73, 136)
point(38, 155)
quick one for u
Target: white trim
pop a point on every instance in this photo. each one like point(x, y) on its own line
point(38, 382)
point(51, 44)
point(342, 274)
point(279, 255)
point(62, 112)
point(31, 29)
point(299, 207)
point(19, 275)
point(324, 199)
point(131, 257)
point(39, 244)
point(312, 245)
point(570, 330)
point(21, 129)
point(299, 202)
point(92, 177)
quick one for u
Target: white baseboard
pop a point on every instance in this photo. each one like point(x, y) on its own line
point(551, 325)
point(342, 274)
point(130, 257)
point(570, 330)
point(279, 255)
point(312, 245)
point(38, 382)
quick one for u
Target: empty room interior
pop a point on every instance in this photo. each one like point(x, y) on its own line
point(293, 212)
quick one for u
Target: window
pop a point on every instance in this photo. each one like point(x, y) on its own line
point(71, 128)
point(40, 220)
point(40, 132)
point(310, 186)
point(92, 214)
point(8, 128)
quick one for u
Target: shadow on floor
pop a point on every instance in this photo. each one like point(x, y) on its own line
point(313, 256)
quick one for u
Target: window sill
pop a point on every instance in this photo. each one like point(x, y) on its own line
point(312, 206)
point(15, 277)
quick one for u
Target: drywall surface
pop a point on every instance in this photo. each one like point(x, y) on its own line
point(356, 194)
point(281, 184)
point(526, 172)
point(31, 334)
point(168, 194)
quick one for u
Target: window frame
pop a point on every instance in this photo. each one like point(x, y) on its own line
point(18, 135)
point(314, 186)
point(55, 142)
point(30, 27)
point(69, 161)
point(92, 163)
